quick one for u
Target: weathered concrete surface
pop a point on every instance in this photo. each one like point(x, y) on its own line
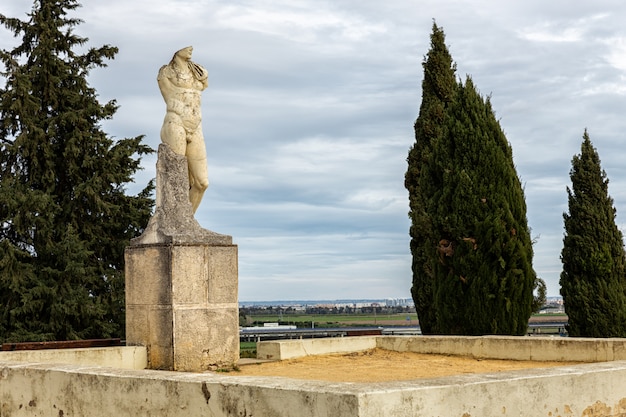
point(181, 303)
point(35, 390)
point(512, 347)
point(289, 349)
point(590, 390)
point(124, 357)
point(582, 390)
point(481, 347)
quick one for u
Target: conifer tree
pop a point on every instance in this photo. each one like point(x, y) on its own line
point(65, 217)
point(593, 284)
point(483, 264)
point(471, 245)
point(438, 89)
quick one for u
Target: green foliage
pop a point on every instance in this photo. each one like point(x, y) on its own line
point(471, 245)
point(539, 300)
point(438, 88)
point(65, 218)
point(593, 284)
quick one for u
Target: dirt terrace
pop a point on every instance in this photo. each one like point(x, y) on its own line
point(378, 365)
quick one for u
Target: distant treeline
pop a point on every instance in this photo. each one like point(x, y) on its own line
point(252, 311)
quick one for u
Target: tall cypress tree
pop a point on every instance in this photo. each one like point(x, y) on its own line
point(483, 261)
point(593, 284)
point(65, 217)
point(438, 89)
point(471, 245)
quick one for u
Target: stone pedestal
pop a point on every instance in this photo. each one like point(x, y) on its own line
point(181, 303)
point(181, 282)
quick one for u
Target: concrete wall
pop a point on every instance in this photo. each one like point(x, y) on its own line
point(124, 357)
point(481, 347)
point(590, 390)
point(512, 347)
point(31, 390)
point(68, 390)
point(289, 349)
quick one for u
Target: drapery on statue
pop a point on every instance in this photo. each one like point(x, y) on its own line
point(181, 83)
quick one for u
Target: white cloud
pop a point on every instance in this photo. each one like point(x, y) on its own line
point(546, 33)
point(561, 31)
point(306, 22)
point(617, 52)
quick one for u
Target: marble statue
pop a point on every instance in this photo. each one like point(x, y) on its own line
point(181, 83)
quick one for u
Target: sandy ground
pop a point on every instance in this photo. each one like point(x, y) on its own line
point(378, 365)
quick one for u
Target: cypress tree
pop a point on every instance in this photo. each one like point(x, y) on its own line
point(592, 282)
point(471, 245)
point(438, 89)
point(65, 217)
point(483, 262)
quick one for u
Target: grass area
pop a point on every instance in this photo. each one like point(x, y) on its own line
point(550, 315)
point(247, 350)
point(335, 319)
point(340, 320)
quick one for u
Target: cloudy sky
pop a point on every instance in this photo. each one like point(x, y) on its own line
point(310, 109)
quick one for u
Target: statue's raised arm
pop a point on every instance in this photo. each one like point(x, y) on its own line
point(181, 83)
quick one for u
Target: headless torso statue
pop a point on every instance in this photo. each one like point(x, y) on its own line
point(182, 172)
point(181, 83)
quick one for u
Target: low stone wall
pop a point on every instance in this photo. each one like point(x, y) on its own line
point(591, 390)
point(481, 347)
point(290, 349)
point(28, 390)
point(123, 357)
point(515, 348)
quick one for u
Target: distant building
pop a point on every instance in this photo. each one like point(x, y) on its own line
point(552, 308)
point(399, 302)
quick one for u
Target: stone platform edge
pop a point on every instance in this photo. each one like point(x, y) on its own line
point(122, 357)
point(30, 389)
point(479, 347)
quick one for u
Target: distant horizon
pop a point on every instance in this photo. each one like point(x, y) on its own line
point(323, 301)
point(339, 300)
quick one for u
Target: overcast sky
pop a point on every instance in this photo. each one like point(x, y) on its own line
point(309, 116)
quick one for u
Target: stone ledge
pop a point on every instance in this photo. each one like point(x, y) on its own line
point(122, 357)
point(28, 389)
point(480, 347)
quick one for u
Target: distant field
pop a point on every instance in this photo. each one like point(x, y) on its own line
point(248, 349)
point(340, 320)
point(336, 319)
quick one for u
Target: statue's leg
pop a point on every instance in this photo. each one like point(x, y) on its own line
point(198, 171)
point(173, 133)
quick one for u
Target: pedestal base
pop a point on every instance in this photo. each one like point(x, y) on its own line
point(181, 303)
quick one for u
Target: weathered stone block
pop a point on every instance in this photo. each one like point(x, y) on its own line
point(148, 283)
point(137, 332)
point(182, 305)
point(190, 282)
point(205, 336)
point(173, 220)
point(222, 266)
